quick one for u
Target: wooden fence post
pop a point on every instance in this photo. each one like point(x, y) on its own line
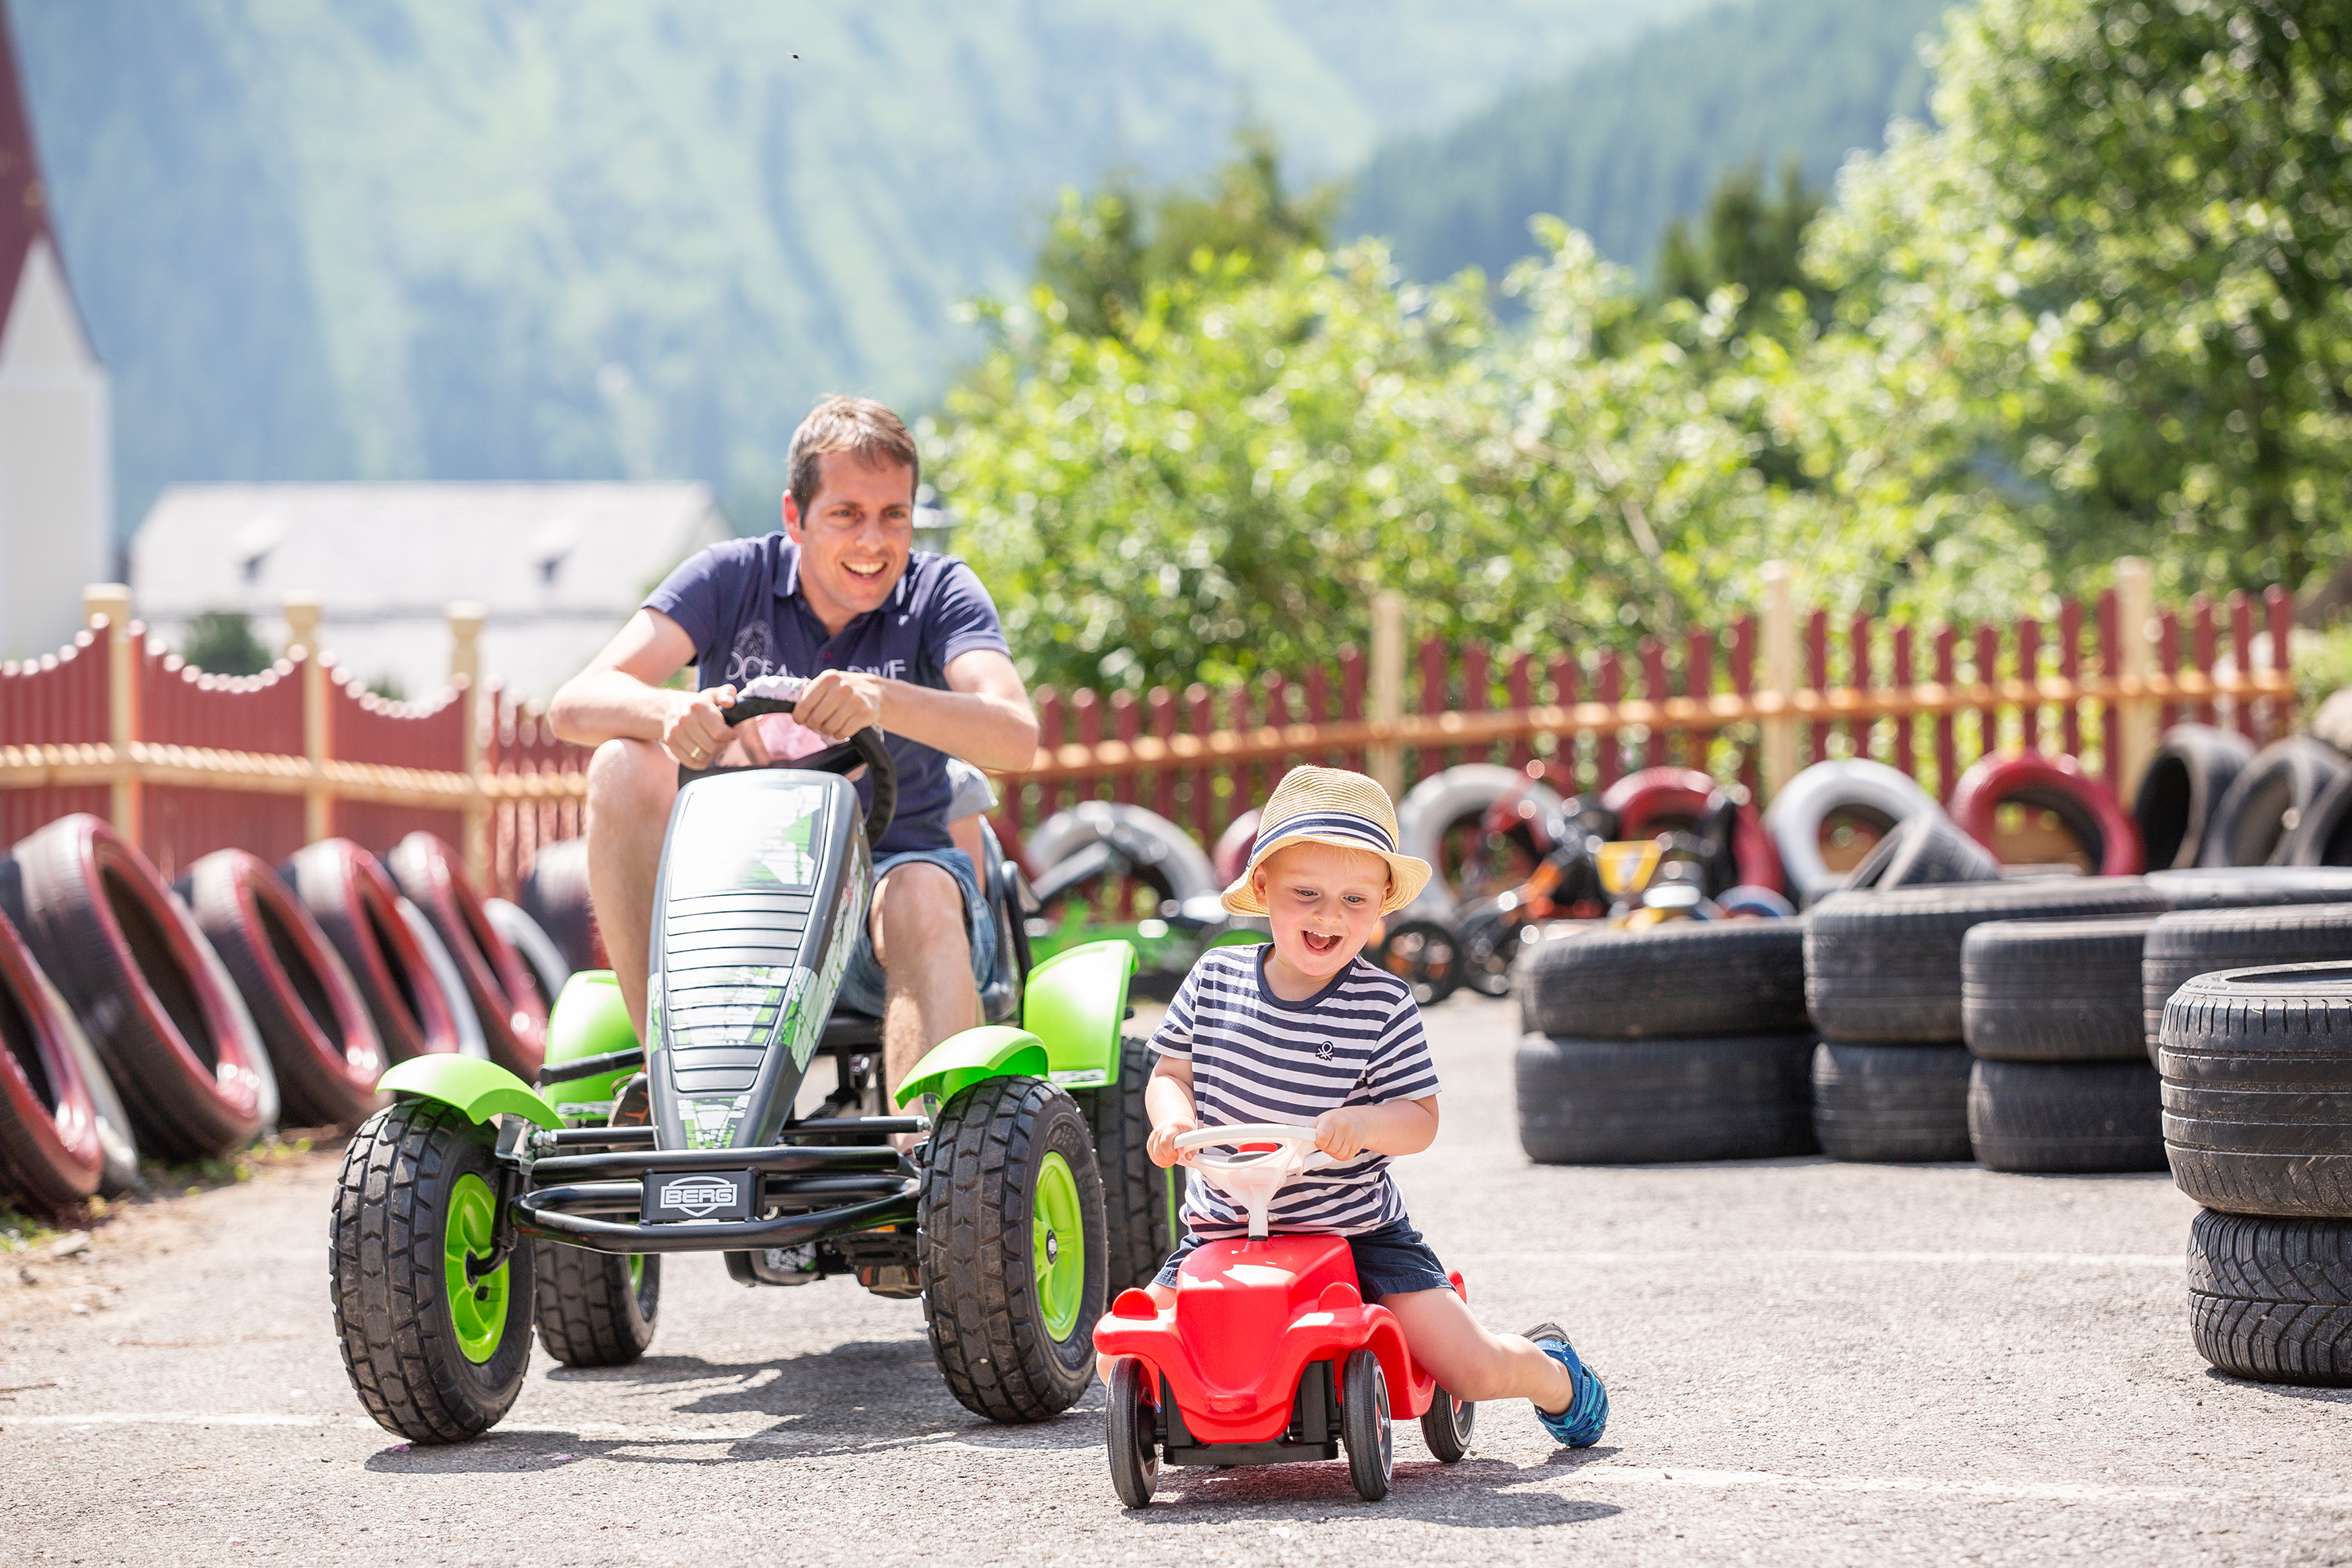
point(1388, 687)
point(2134, 618)
point(303, 611)
point(113, 600)
point(1780, 676)
point(466, 620)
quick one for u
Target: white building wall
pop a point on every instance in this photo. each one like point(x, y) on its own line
point(57, 502)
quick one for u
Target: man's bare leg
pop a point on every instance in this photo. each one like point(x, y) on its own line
point(631, 786)
point(926, 958)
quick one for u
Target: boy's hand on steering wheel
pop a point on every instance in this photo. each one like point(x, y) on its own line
point(696, 731)
point(840, 703)
point(1161, 1145)
point(1340, 1133)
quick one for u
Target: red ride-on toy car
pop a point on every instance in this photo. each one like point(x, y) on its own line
point(1270, 1356)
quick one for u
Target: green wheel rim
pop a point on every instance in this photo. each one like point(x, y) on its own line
point(477, 1308)
point(1057, 1247)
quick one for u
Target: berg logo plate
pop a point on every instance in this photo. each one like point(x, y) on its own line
point(699, 1195)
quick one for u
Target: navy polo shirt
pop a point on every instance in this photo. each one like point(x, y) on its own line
point(740, 601)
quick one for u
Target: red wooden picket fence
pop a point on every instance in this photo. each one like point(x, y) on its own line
point(190, 762)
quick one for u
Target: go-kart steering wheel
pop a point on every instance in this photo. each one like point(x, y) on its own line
point(1256, 1174)
point(863, 749)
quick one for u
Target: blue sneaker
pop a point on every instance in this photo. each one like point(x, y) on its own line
point(1580, 1424)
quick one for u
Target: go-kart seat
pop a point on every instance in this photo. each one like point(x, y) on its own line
point(999, 998)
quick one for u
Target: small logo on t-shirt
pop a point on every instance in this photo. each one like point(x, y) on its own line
point(1326, 1053)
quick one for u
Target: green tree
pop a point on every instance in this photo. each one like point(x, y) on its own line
point(1749, 239)
point(2131, 242)
point(221, 642)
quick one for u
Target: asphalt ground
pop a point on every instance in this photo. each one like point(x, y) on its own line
point(1809, 1362)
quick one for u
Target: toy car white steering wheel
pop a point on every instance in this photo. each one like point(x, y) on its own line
point(1252, 1178)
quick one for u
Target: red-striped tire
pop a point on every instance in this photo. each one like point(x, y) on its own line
point(174, 1039)
point(303, 1001)
point(498, 978)
point(49, 1151)
point(2058, 785)
point(357, 909)
point(1656, 799)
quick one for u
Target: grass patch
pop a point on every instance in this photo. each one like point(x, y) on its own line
point(26, 1232)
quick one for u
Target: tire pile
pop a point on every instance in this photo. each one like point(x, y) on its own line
point(180, 1024)
point(1685, 1041)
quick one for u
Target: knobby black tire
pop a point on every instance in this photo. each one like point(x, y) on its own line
point(1139, 1198)
point(1445, 1427)
point(386, 1269)
point(2257, 1067)
point(590, 1312)
point(2066, 1116)
point(1684, 979)
point(1128, 1423)
point(1606, 1101)
point(2055, 990)
point(980, 1295)
point(1891, 1103)
point(2270, 1299)
point(2181, 946)
point(1885, 967)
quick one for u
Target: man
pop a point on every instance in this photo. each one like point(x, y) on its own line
point(908, 642)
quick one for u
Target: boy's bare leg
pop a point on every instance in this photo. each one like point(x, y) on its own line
point(1473, 1364)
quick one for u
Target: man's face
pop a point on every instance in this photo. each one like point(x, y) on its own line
point(856, 538)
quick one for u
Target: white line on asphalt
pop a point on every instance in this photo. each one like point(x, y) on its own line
point(1792, 1255)
point(602, 1431)
point(2056, 1491)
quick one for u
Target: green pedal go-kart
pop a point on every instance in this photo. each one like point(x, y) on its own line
point(476, 1207)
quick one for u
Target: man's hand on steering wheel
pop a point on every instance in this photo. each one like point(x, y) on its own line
point(696, 731)
point(839, 703)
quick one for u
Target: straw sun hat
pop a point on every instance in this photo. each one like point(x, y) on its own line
point(1330, 806)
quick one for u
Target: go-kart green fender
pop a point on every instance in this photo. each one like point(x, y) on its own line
point(1075, 1003)
point(961, 1060)
point(589, 1019)
point(481, 1088)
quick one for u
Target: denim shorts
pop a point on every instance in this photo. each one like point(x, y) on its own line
point(1392, 1261)
point(862, 986)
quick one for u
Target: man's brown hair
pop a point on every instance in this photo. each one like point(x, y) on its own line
point(868, 432)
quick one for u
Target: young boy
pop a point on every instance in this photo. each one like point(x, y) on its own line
point(1304, 1031)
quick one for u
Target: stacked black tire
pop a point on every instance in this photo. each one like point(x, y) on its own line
point(2051, 1011)
point(1883, 981)
point(2257, 1071)
point(1685, 1041)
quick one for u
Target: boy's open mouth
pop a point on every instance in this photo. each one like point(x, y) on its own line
point(1317, 942)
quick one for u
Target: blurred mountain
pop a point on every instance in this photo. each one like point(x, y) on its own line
point(634, 238)
point(1622, 144)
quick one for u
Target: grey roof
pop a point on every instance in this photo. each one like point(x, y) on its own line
point(558, 567)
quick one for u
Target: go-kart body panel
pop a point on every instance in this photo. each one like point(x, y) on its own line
point(1075, 1002)
point(991, 1050)
point(589, 1019)
point(764, 882)
point(1249, 1318)
point(481, 1088)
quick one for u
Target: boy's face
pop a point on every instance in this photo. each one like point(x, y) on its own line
point(1324, 901)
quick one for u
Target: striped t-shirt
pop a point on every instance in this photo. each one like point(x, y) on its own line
point(1256, 1057)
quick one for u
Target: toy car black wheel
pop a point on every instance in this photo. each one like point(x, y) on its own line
point(436, 1343)
point(596, 1309)
point(1012, 1249)
point(1445, 1427)
point(1129, 1425)
point(1364, 1425)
